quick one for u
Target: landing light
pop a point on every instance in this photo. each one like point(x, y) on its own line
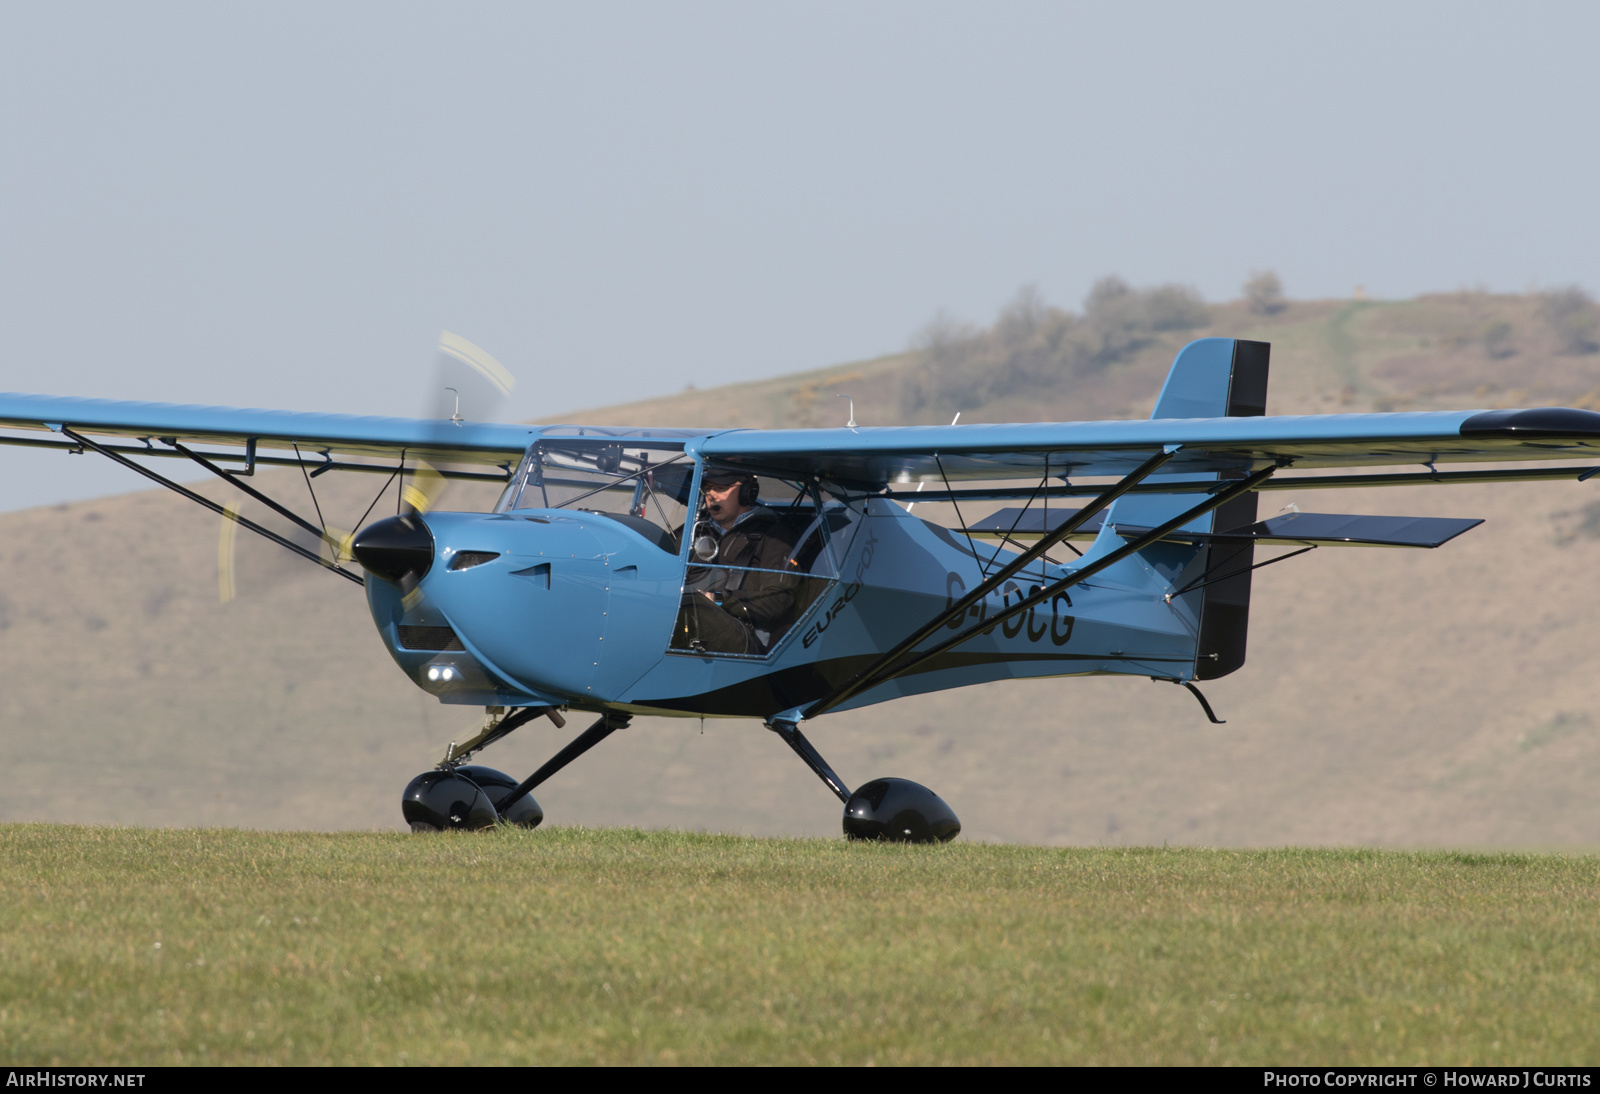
point(436, 673)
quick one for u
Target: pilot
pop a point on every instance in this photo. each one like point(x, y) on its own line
point(737, 610)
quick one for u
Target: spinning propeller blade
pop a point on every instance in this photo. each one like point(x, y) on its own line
point(477, 359)
point(468, 385)
point(424, 488)
point(226, 590)
point(336, 544)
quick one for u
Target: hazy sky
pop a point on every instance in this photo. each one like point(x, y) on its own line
point(282, 204)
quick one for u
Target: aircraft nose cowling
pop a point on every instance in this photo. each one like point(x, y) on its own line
point(397, 549)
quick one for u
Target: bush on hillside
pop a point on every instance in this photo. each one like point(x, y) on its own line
point(1497, 340)
point(1123, 319)
point(1264, 292)
point(1032, 343)
point(1571, 313)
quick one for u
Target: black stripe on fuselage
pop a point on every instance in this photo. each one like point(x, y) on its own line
point(763, 696)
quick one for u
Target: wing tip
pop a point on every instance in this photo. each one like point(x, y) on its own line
point(1539, 422)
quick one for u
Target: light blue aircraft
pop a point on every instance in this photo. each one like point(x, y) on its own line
point(782, 574)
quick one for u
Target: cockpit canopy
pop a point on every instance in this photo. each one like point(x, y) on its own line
point(646, 482)
point(643, 482)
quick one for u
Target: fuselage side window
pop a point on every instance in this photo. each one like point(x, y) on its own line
point(759, 557)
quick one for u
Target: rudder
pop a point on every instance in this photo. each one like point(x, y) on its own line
point(1225, 602)
point(1212, 378)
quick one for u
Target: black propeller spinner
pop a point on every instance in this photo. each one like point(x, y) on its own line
point(397, 549)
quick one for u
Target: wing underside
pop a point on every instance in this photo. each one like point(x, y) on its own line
point(883, 458)
point(26, 417)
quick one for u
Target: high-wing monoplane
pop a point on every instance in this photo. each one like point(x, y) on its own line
point(779, 575)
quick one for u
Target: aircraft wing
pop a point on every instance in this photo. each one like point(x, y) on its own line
point(873, 458)
point(315, 434)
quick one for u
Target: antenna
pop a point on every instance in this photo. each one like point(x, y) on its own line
point(851, 424)
point(456, 417)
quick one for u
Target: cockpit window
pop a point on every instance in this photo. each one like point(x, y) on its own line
point(762, 554)
point(645, 486)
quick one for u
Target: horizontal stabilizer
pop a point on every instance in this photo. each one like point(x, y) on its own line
point(1331, 529)
point(1335, 528)
point(1025, 524)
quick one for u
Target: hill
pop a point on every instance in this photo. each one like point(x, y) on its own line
point(1398, 698)
point(1442, 351)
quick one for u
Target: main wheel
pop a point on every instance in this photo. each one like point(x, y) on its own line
point(900, 811)
point(497, 784)
point(436, 800)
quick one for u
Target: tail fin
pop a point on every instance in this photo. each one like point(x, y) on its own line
point(1225, 602)
point(1212, 378)
point(1216, 378)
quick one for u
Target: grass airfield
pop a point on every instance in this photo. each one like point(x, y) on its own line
point(567, 945)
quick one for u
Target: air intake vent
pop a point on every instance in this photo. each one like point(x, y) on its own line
point(466, 560)
point(429, 638)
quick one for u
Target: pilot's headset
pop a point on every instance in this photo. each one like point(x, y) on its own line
point(705, 545)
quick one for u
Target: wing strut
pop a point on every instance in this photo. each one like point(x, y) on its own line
point(211, 505)
point(983, 567)
point(1206, 579)
point(886, 667)
point(320, 533)
point(865, 678)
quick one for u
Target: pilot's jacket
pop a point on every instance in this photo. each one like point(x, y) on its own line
point(758, 598)
point(759, 542)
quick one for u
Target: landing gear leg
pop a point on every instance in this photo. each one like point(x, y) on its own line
point(496, 725)
point(472, 796)
point(897, 810)
point(607, 724)
point(806, 751)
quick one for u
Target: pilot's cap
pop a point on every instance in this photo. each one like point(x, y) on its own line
point(721, 476)
point(749, 487)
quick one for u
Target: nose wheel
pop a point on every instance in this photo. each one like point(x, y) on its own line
point(471, 796)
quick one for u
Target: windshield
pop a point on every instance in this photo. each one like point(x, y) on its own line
point(645, 486)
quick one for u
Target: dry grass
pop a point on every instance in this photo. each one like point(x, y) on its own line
point(138, 946)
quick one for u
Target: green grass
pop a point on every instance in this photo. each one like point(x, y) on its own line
point(139, 946)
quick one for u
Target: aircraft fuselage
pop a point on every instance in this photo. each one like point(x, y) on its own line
point(578, 609)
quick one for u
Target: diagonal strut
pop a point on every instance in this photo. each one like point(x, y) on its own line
point(211, 505)
point(864, 679)
point(885, 669)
